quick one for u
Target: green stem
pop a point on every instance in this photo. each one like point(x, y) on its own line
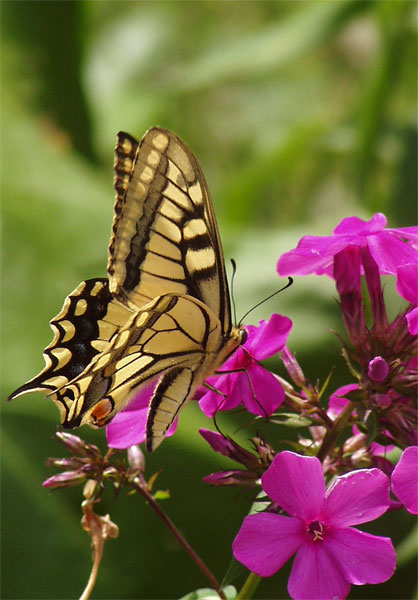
point(249, 587)
point(149, 498)
point(332, 434)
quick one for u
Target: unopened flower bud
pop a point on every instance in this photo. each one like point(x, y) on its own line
point(382, 400)
point(64, 463)
point(293, 367)
point(89, 489)
point(65, 479)
point(378, 369)
point(136, 459)
point(78, 446)
point(233, 477)
point(229, 448)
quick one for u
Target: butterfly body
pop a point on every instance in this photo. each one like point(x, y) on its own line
point(163, 313)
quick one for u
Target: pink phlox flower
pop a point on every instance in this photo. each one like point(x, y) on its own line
point(128, 427)
point(250, 384)
point(331, 555)
point(390, 248)
point(405, 479)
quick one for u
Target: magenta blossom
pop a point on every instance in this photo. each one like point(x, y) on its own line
point(405, 479)
point(359, 248)
point(331, 555)
point(129, 426)
point(315, 254)
point(250, 383)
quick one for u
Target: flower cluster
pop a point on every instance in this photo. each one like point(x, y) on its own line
point(338, 474)
point(381, 356)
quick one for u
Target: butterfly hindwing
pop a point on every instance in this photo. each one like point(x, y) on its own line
point(171, 332)
point(88, 319)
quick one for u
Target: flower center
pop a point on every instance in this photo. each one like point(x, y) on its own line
point(316, 531)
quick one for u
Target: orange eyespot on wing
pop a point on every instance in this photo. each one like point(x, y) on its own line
point(101, 413)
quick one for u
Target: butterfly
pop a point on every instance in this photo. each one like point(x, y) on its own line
point(162, 313)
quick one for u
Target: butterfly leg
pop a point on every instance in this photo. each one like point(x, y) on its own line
point(250, 383)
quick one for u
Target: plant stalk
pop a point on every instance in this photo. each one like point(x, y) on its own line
point(182, 541)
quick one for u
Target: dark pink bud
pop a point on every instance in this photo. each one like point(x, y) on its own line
point(229, 448)
point(374, 287)
point(382, 400)
point(378, 369)
point(348, 281)
point(234, 477)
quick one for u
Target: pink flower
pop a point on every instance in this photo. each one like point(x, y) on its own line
point(405, 479)
point(315, 254)
point(250, 383)
point(331, 555)
point(128, 427)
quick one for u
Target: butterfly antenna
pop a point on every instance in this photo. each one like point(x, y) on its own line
point(234, 270)
point(288, 284)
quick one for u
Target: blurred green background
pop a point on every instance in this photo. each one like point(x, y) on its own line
point(300, 113)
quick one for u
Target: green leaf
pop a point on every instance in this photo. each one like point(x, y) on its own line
point(290, 420)
point(162, 495)
point(373, 427)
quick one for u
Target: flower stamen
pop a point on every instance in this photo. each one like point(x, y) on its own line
point(316, 531)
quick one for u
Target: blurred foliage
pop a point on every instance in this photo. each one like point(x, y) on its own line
point(300, 113)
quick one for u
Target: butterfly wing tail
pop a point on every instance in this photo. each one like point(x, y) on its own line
point(172, 392)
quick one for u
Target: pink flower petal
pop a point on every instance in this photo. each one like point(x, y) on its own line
point(313, 254)
point(266, 541)
point(315, 576)
point(407, 282)
point(362, 557)
point(127, 428)
point(339, 400)
point(296, 483)
point(357, 497)
point(407, 233)
point(405, 479)
point(211, 402)
point(266, 393)
point(412, 320)
point(390, 252)
point(356, 226)
point(268, 338)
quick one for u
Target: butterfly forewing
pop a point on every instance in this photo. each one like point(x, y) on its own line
point(165, 237)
